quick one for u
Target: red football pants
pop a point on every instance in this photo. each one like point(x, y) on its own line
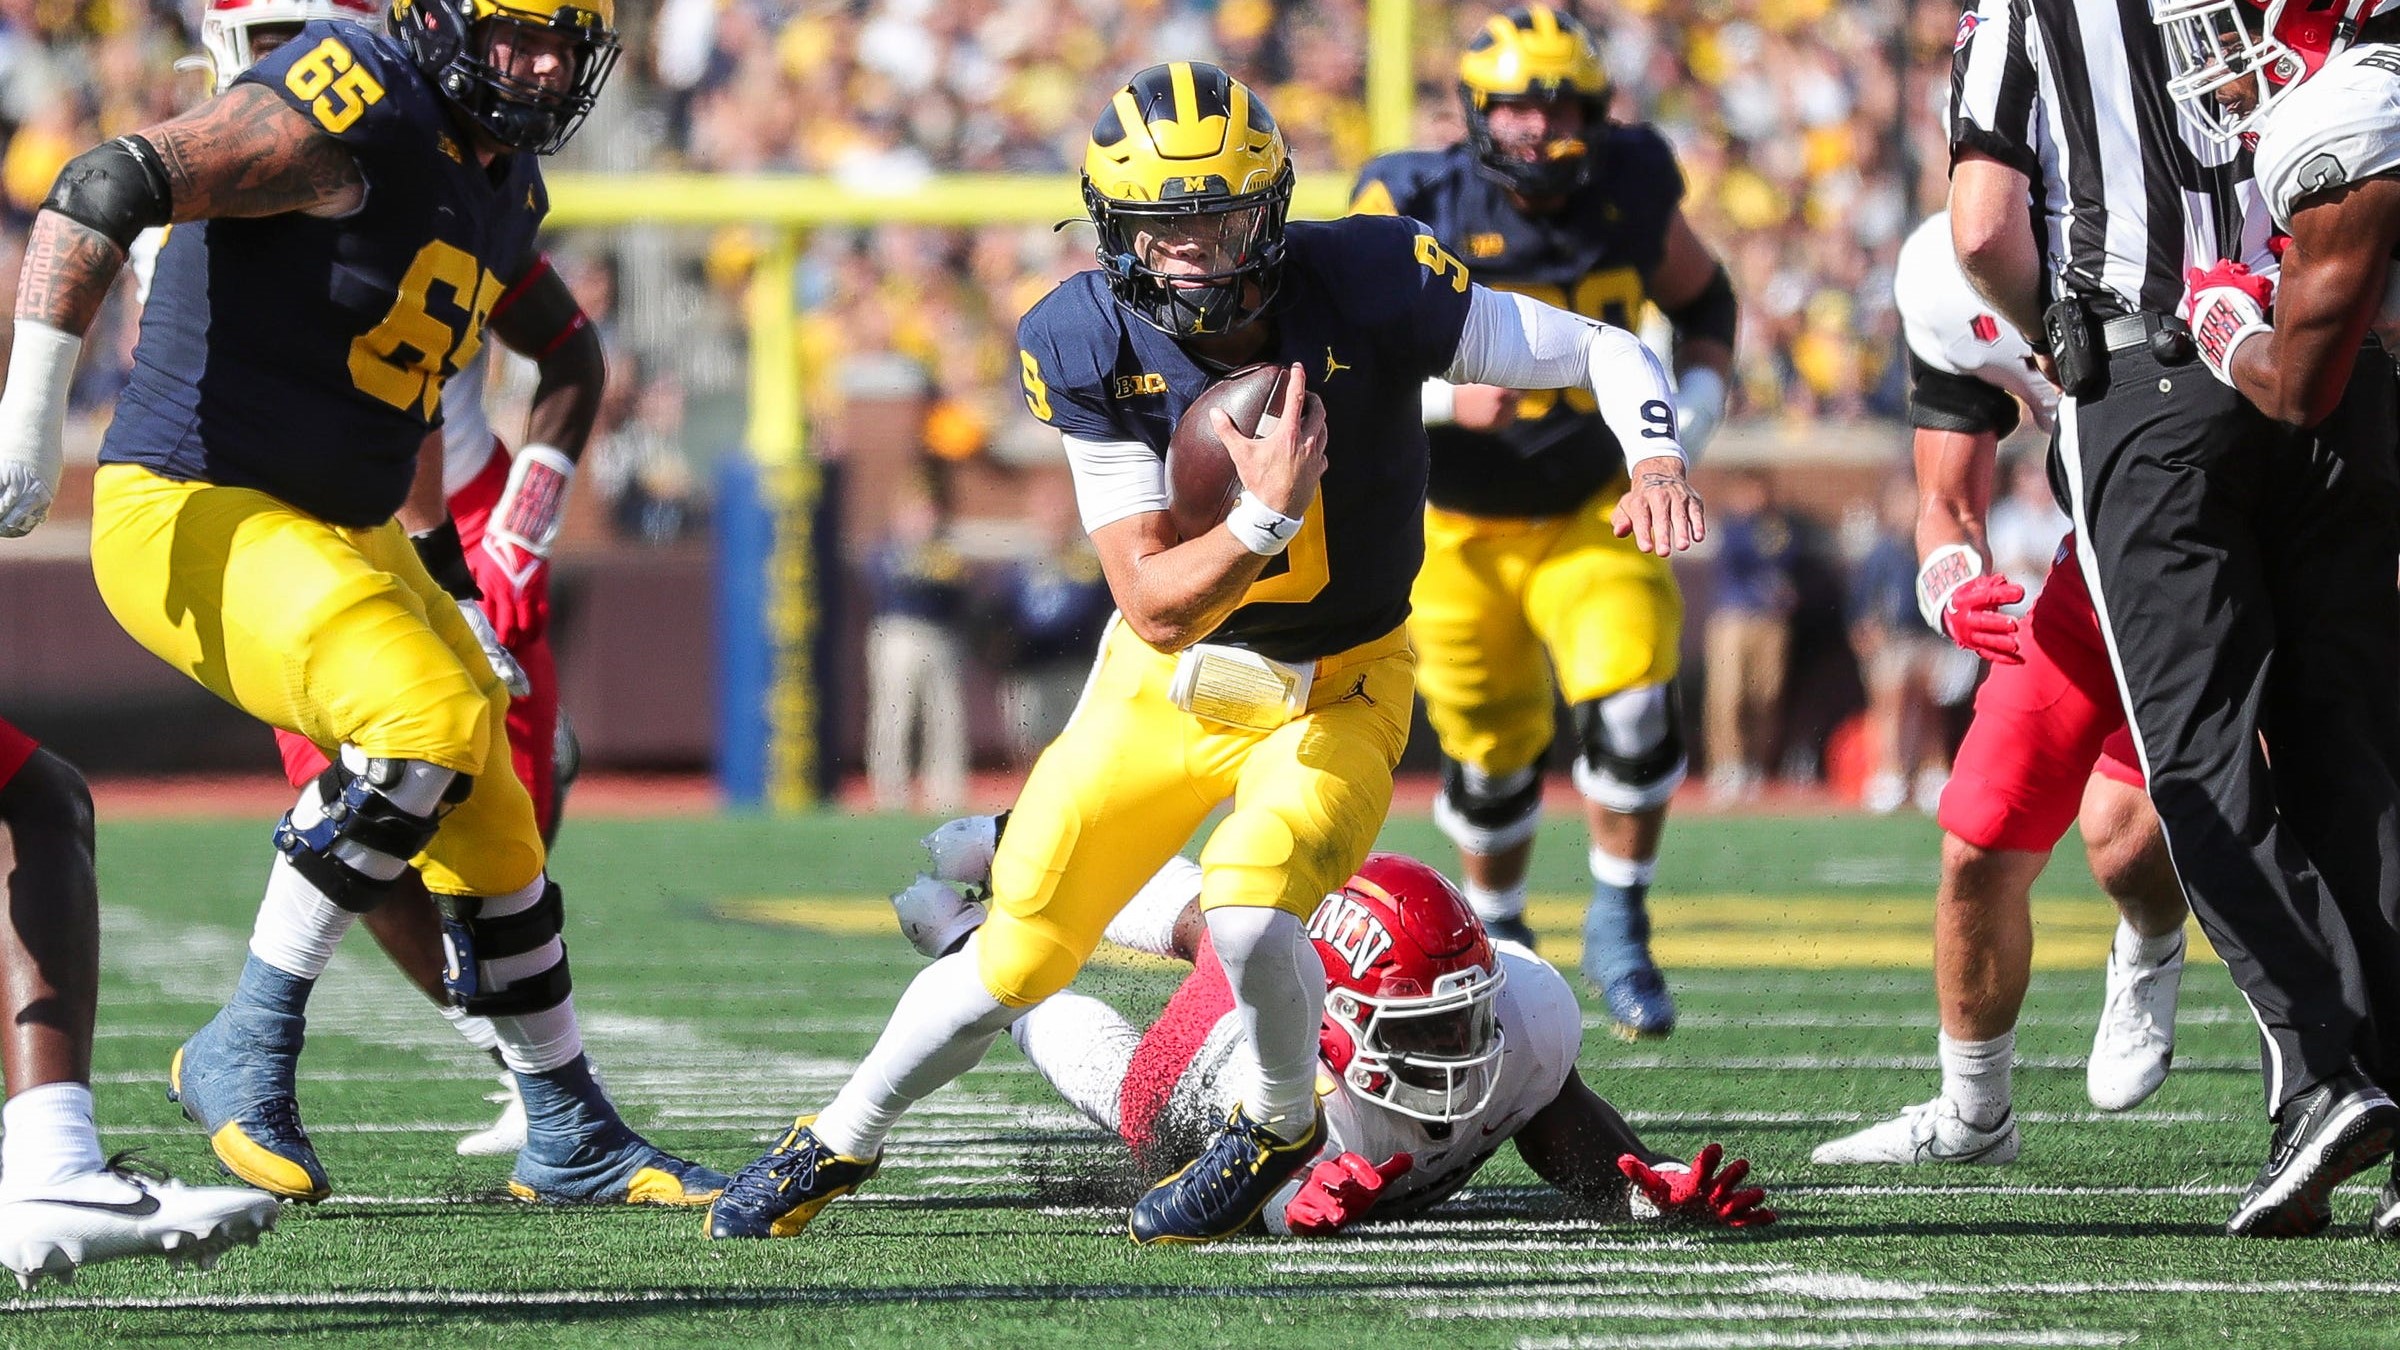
point(2043, 728)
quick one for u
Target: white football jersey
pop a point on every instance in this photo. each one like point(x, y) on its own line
point(1950, 328)
point(2340, 126)
point(1543, 1030)
point(466, 431)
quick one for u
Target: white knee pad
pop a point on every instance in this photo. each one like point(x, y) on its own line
point(1629, 752)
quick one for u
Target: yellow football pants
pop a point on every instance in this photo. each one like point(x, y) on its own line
point(1494, 595)
point(1132, 776)
point(335, 633)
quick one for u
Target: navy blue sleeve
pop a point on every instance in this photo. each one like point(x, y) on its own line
point(1646, 189)
point(1410, 285)
point(1386, 187)
point(348, 80)
point(1063, 369)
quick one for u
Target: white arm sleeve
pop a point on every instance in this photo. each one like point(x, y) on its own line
point(1115, 479)
point(1521, 343)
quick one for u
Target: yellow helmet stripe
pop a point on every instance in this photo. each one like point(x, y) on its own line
point(1544, 21)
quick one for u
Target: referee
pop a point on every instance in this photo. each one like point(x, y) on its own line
point(2243, 570)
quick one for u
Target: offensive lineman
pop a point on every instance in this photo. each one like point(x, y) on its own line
point(1548, 198)
point(1302, 591)
point(1439, 1046)
point(2048, 740)
point(358, 204)
point(2319, 88)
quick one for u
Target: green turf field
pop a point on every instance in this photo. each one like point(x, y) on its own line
point(729, 972)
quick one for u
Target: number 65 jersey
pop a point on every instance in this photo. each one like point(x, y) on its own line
point(304, 357)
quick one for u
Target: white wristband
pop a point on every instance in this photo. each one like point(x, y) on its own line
point(1700, 396)
point(1439, 400)
point(1262, 529)
point(533, 505)
point(33, 403)
point(1944, 570)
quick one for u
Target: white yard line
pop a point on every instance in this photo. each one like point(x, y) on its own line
point(1823, 1340)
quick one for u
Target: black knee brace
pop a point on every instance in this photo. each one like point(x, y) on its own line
point(358, 812)
point(471, 941)
point(1490, 816)
point(1608, 771)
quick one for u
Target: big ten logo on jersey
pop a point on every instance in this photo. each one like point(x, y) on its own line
point(1135, 386)
point(1352, 930)
point(434, 327)
point(337, 88)
point(1613, 295)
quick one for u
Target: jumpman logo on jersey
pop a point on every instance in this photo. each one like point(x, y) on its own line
point(1358, 691)
point(1332, 365)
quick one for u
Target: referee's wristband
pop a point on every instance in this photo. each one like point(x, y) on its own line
point(1262, 529)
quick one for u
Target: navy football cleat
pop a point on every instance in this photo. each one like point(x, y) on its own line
point(233, 1079)
point(578, 1151)
point(1217, 1194)
point(1639, 1006)
point(782, 1189)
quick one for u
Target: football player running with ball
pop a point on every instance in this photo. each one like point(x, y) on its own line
point(1439, 1045)
point(1263, 660)
point(2048, 747)
point(1523, 573)
point(350, 212)
point(2318, 87)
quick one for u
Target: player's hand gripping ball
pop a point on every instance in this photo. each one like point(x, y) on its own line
point(1202, 482)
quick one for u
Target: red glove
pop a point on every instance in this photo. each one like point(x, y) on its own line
point(1339, 1190)
point(1700, 1193)
point(2228, 305)
point(1963, 603)
point(1973, 618)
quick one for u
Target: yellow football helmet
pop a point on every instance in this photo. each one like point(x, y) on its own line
point(449, 39)
point(1534, 53)
point(1186, 162)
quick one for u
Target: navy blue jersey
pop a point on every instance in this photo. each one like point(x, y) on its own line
point(305, 357)
point(1371, 308)
point(1594, 256)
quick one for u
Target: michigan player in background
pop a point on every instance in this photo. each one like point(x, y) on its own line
point(1265, 660)
point(2049, 747)
point(1440, 1045)
point(63, 1203)
point(1548, 198)
point(351, 210)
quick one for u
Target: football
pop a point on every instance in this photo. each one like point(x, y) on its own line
point(1201, 482)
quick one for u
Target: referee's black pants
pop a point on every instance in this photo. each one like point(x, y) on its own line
point(2245, 578)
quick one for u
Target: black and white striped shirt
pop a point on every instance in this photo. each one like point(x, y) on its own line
point(2130, 191)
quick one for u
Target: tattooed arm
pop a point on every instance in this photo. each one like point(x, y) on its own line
point(245, 153)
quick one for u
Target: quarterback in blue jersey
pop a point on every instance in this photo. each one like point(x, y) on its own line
point(1265, 660)
point(349, 213)
point(1523, 574)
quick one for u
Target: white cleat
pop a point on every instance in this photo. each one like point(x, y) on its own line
point(962, 849)
point(2136, 1041)
point(114, 1214)
point(934, 917)
point(1929, 1132)
point(507, 1134)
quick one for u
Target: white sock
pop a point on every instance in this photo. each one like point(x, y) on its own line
point(539, 1042)
point(1083, 1047)
point(297, 928)
point(2149, 952)
point(945, 1022)
point(50, 1137)
point(477, 1031)
point(1279, 993)
point(1622, 873)
point(1975, 1077)
point(1495, 906)
point(1147, 923)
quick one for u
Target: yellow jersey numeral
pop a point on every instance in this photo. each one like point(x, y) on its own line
point(1438, 261)
point(1037, 394)
point(338, 89)
point(1311, 565)
point(405, 359)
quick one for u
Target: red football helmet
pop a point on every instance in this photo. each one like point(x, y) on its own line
point(2215, 46)
point(1411, 983)
point(226, 27)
